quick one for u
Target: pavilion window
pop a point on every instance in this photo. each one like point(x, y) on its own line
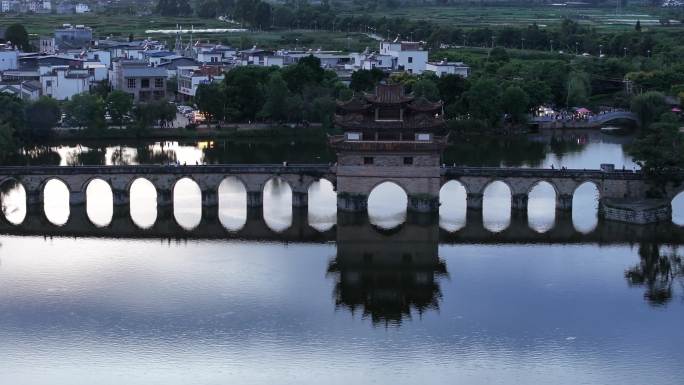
point(388, 114)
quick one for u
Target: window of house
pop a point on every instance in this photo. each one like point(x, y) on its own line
point(131, 83)
point(48, 83)
point(408, 160)
point(159, 83)
point(144, 83)
point(410, 59)
point(367, 160)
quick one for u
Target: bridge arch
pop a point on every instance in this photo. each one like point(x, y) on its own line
point(497, 198)
point(585, 206)
point(453, 205)
point(541, 206)
point(187, 202)
point(277, 203)
point(99, 200)
point(142, 195)
point(56, 200)
point(13, 200)
point(322, 204)
point(677, 206)
point(387, 204)
point(232, 203)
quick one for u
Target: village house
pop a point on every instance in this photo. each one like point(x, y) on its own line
point(137, 78)
point(29, 90)
point(190, 78)
point(448, 68)
point(407, 55)
point(62, 83)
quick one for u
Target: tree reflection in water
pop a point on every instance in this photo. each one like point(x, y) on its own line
point(387, 278)
point(145, 154)
point(658, 272)
point(91, 156)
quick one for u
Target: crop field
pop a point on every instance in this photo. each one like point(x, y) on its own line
point(122, 26)
point(471, 16)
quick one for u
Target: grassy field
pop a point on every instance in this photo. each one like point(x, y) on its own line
point(121, 26)
point(471, 16)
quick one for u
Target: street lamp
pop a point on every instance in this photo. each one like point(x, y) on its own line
point(522, 43)
point(551, 42)
point(600, 50)
point(576, 48)
point(624, 52)
point(492, 41)
point(648, 52)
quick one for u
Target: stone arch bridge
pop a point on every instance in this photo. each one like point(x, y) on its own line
point(422, 188)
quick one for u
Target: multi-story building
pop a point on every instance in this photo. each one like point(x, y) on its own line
point(137, 78)
point(63, 83)
point(190, 78)
point(408, 56)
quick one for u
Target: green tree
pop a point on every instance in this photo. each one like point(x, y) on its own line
point(578, 90)
point(208, 9)
point(451, 87)
point(514, 102)
point(648, 107)
point(101, 89)
point(366, 80)
point(41, 117)
point(659, 149)
point(306, 72)
point(484, 101)
point(119, 104)
point(7, 143)
point(426, 88)
point(498, 54)
point(16, 33)
point(637, 27)
point(12, 111)
point(211, 101)
point(85, 110)
point(277, 97)
point(244, 89)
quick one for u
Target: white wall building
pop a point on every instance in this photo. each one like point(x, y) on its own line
point(64, 83)
point(407, 55)
point(82, 8)
point(448, 68)
point(191, 77)
point(9, 60)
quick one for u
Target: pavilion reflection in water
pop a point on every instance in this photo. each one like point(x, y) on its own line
point(386, 276)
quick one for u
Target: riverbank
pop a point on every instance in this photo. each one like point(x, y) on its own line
point(236, 132)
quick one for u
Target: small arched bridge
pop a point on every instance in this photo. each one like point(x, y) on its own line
point(593, 121)
point(422, 188)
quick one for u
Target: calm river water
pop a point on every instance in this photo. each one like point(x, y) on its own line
point(283, 296)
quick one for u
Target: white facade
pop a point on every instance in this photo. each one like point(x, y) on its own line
point(63, 84)
point(47, 45)
point(9, 60)
point(98, 71)
point(82, 8)
point(408, 56)
point(5, 6)
point(190, 78)
point(448, 68)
